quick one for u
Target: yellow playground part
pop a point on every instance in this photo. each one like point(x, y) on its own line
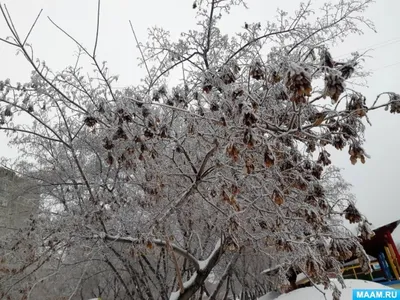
point(395, 261)
point(391, 263)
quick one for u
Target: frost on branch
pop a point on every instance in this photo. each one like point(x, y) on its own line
point(357, 105)
point(334, 85)
point(394, 103)
point(225, 174)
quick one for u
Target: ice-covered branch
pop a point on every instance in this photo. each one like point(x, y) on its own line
point(157, 242)
point(198, 277)
point(224, 276)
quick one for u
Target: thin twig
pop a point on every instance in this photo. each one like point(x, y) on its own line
point(33, 133)
point(72, 38)
point(33, 25)
point(177, 269)
point(91, 56)
point(141, 52)
point(377, 98)
point(97, 29)
point(174, 65)
point(157, 242)
point(8, 42)
point(210, 27)
point(173, 108)
point(12, 24)
point(206, 158)
point(255, 40)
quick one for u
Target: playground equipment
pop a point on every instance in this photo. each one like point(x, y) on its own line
point(384, 260)
point(384, 256)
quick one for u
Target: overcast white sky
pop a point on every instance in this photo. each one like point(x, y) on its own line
point(375, 183)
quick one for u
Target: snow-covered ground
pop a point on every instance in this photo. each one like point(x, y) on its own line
point(314, 294)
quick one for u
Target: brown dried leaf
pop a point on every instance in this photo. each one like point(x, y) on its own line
point(149, 245)
point(233, 152)
point(277, 197)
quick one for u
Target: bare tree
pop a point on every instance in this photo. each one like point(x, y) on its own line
point(149, 192)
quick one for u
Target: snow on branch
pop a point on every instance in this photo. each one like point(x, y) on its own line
point(203, 264)
point(157, 242)
point(186, 284)
point(198, 277)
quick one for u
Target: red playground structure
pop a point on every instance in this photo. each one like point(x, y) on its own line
point(384, 256)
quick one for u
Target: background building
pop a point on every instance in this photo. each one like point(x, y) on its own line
point(18, 201)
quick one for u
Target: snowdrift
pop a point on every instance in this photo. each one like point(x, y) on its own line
point(313, 293)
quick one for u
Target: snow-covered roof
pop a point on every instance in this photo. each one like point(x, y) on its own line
point(270, 296)
point(355, 261)
point(315, 293)
point(301, 277)
point(394, 224)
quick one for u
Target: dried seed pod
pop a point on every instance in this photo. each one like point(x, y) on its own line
point(156, 96)
point(214, 106)
point(300, 184)
point(108, 144)
point(127, 118)
point(357, 105)
point(141, 157)
point(319, 118)
point(275, 77)
point(208, 83)
point(269, 158)
point(366, 233)
point(231, 200)
point(148, 133)
point(352, 214)
point(163, 132)
point(277, 197)
point(249, 165)
point(149, 245)
point(249, 119)
point(338, 142)
point(317, 171)
point(248, 139)
point(120, 134)
point(101, 107)
point(334, 86)
point(326, 59)
point(262, 224)
point(233, 152)
point(356, 152)
point(110, 158)
point(323, 158)
point(90, 121)
point(323, 205)
point(348, 131)
point(7, 112)
point(226, 75)
point(394, 103)
point(178, 96)
point(145, 112)
point(311, 200)
point(333, 125)
point(256, 71)
point(318, 190)
point(298, 83)
point(121, 159)
point(347, 69)
point(311, 146)
point(222, 121)
point(237, 93)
